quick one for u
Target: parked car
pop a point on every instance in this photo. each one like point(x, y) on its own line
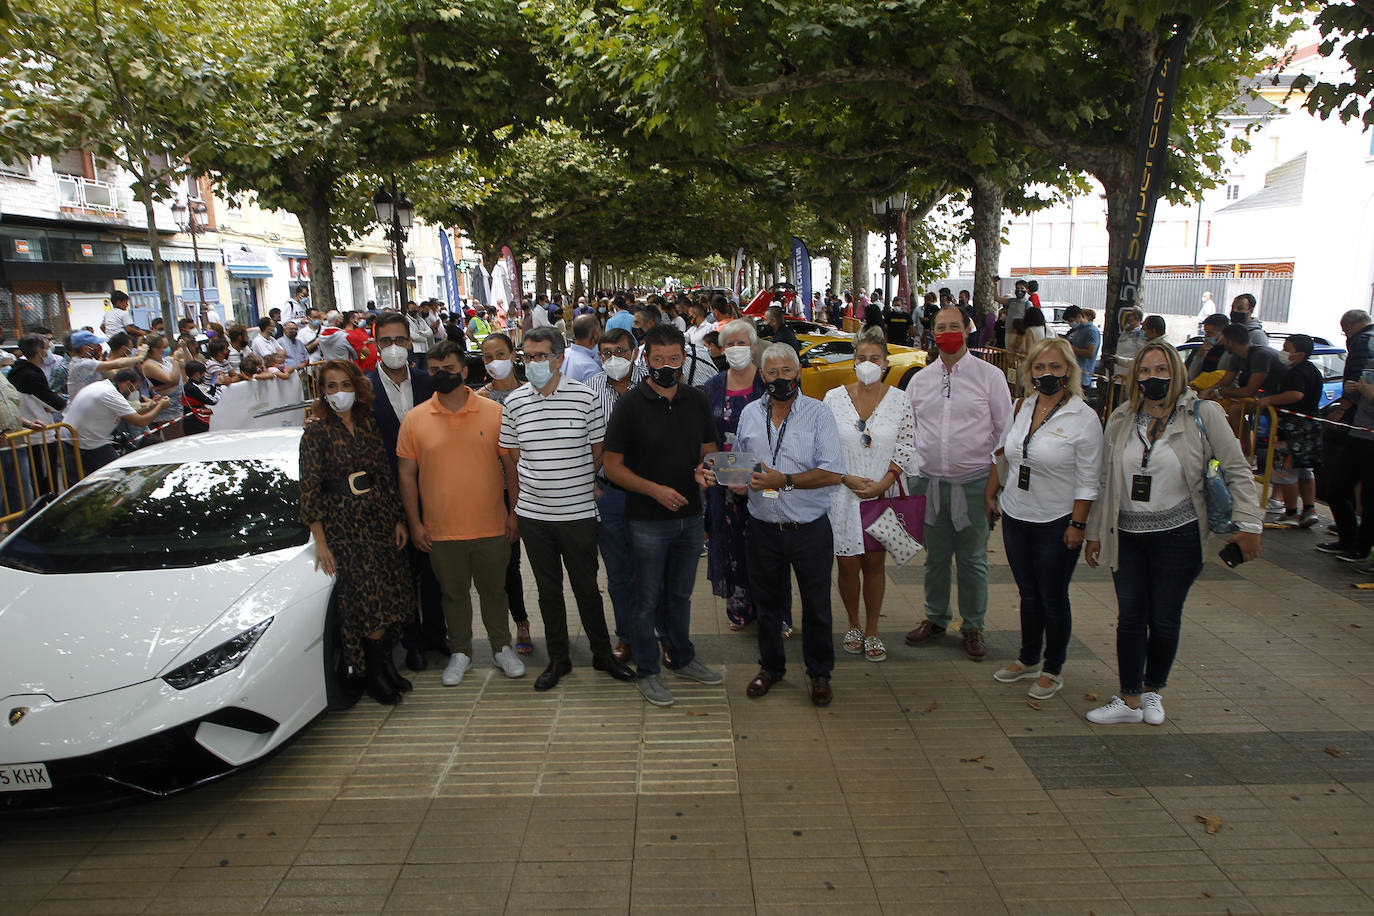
point(800, 327)
point(1326, 356)
point(163, 624)
point(828, 362)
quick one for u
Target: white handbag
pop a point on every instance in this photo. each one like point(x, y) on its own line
point(889, 531)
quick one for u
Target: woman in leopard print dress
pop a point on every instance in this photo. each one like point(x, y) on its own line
point(358, 526)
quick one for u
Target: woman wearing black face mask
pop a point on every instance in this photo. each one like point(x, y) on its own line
point(1053, 451)
point(1150, 522)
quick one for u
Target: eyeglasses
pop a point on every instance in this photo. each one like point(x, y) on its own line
point(392, 341)
point(538, 357)
point(619, 351)
point(864, 438)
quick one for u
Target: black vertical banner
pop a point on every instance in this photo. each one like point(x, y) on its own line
point(1149, 163)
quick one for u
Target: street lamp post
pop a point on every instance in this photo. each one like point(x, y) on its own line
point(186, 215)
point(396, 213)
point(884, 209)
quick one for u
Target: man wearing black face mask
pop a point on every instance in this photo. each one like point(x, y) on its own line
point(800, 459)
point(1243, 310)
point(655, 442)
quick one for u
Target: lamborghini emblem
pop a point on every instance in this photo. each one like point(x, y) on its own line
point(17, 714)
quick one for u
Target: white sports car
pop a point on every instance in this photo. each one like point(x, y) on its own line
point(162, 624)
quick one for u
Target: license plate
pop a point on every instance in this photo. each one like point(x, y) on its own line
point(24, 777)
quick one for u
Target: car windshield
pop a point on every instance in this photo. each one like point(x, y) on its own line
point(1332, 365)
point(164, 516)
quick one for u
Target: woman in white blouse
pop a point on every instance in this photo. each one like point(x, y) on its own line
point(877, 432)
point(1053, 450)
point(1150, 525)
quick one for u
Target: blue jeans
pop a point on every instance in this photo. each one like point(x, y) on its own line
point(1043, 567)
point(1153, 575)
point(614, 541)
point(665, 556)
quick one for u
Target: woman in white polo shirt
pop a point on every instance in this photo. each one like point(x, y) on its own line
point(1053, 450)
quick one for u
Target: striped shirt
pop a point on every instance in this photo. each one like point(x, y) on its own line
point(600, 384)
point(555, 435)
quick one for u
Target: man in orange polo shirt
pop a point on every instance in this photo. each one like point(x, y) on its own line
point(464, 525)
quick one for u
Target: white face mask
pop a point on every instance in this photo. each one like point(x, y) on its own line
point(499, 369)
point(868, 372)
point(617, 367)
point(340, 400)
point(395, 356)
point(739, 357)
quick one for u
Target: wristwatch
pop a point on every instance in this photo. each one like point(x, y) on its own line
point(788, 485)
point(1081, 526)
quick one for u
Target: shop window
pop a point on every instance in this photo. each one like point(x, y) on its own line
point(208, 282)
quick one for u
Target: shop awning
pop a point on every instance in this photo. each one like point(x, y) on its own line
point(248, 271)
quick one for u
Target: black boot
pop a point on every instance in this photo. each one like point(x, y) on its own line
point(379, 685)
point(399, 681)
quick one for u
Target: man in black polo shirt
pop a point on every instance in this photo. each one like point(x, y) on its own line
point(655, 442)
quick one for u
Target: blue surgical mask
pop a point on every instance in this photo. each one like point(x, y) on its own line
point(538, 373)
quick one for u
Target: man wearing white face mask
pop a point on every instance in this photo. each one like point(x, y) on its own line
point(621, 371)
point(404, 388)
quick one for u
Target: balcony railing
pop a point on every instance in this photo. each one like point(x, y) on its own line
point(78, 193)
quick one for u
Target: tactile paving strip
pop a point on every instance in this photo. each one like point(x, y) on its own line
point(493, 736)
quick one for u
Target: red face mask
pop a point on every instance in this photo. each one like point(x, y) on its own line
point(949, 342)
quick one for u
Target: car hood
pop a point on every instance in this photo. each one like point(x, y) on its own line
point(76, 635)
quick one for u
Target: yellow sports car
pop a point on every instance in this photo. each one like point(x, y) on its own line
point(828, 362)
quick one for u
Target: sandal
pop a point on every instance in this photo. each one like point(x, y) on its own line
point(874, 650)
point(853, 641)
point(523, 644)
point(786, 631)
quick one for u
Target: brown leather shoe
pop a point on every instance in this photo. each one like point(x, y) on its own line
point(820, 691)
point(974, 645)
point(925, 631)
point(621, 651)
point(761, 684)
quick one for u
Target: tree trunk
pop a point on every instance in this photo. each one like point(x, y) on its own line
point(164, 295)
point(858, 260)
point(578, 288)
point(560, 274)
point(1120, 225)
point(593, 278)
point(315, 226)
point(541, 275)
point(835, 276)
point(987, 242)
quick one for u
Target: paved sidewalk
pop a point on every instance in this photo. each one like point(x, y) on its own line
point(925, 788)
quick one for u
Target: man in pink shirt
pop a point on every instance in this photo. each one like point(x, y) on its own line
point(962, 409)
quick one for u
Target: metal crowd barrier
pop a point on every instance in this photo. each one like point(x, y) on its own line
point(32, 467)
point(310, 381)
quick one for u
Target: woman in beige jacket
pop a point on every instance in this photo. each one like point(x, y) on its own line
point(1149, 524)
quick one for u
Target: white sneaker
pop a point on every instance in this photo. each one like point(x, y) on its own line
point(509, 663)
point(1152, 705)
point(1113, 712)
point(458, 665)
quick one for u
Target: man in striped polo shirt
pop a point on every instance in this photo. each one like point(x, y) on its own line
point(553, 427)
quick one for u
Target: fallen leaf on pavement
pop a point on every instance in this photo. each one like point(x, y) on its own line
point(1213, 823)
point(1113, 794)
point(1090, 697)
point(978, 759)
point(1334, 751)
point(697, 712)
point(933, 706)
point(1357, 626)
point(1032, 704)
point(1206, 894)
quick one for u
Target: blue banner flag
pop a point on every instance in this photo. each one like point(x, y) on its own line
point(801, 273)
point(450, 278)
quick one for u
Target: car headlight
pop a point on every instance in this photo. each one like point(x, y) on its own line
point(225, 657)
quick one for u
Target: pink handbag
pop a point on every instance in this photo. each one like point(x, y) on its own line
point(910, 511)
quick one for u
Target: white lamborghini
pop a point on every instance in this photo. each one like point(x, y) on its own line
point(162, 624)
